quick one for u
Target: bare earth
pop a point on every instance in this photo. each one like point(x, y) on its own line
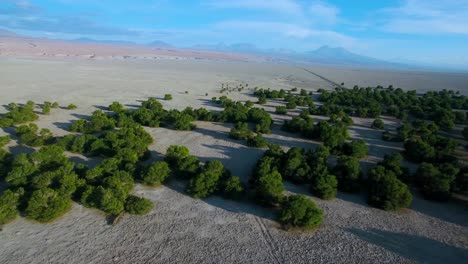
point(184, 230)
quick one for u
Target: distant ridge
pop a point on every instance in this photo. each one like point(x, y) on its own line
point(160, 44)
point(116, 42)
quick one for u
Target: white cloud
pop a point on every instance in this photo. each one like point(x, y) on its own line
point(323, 12)
point(428, 17)
point(288, 30)
point(281, 6)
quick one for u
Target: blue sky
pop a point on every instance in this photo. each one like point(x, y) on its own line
point(431, 32)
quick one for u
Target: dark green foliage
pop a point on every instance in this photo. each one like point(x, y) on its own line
point(175, 154)
point(347, 120)
point(445, 118)
point(418, 150)
point(233, 188)
point(78, 144)
point(461, 182)
point(98, 122)
point(460, 117)
point(262, 120)
point(299, 211)
point(435, 182)
point(378, 124)
point(324, 186)
point(465, 132)
point(9, 202)
point(5, 162)
point(207, 181)
point(241, 131)
point(392, 163)
point(355, 148)
point(55, 105)
point(267, 93)
point(138, 205)
point(262, 100)
point(332, 135)
point(46, 205)
point(291, 105)
point(28, 135)
point(405, 131)
point(71, 107)
point(109, 200)
point(348, 173)
point(281, 110)
point(46, 108)
point(167, 97)
point(257, 141)
point(156, 174)
point(386, 191)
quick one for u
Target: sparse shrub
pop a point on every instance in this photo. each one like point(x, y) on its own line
point(138, 205)
point(55, 105)
point(167, 97)
point(71, 107)
point(298, 211)
point(378, 124)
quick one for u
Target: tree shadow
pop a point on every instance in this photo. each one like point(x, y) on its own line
point(80, 116)
point(243, 206)
point(414, 247)
point(453, 211)
point(63, 125)
point(18, 149)
point(101, 107)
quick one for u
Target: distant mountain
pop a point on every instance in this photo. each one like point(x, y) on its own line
point(116, 42)
point(338, 55)
point(7, 33)
point(236, 47)
point(160, 44)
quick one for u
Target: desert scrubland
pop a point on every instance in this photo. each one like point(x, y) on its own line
point(181, 229)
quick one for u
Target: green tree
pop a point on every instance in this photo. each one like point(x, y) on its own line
point(270, 187)
point(435, 182)
point(234, 188)
point(348, 174)
point(299, 211)
point(378, 124)
point(206, 182)
point(156, 174)
point(386, 191)
point(9, 202)
point(46, 205)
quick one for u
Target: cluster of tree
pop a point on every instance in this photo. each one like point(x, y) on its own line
point(332, 133)
point(5, 156)
point(267, 182)
point(204, 179)
point(241, 131)
point(268, 93)
point(31, 136)
point(129, 142)
point(167, 97)
point(386, 187)
point(237, 112)
point(18, 114)
point(437, 182)
point(424, 144)
point(372, 102)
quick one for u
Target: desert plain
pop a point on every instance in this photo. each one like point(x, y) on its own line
point(181, 229)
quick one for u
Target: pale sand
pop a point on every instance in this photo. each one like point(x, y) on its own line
point(183, 230)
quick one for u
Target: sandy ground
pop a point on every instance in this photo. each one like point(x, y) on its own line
point(183, 230)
